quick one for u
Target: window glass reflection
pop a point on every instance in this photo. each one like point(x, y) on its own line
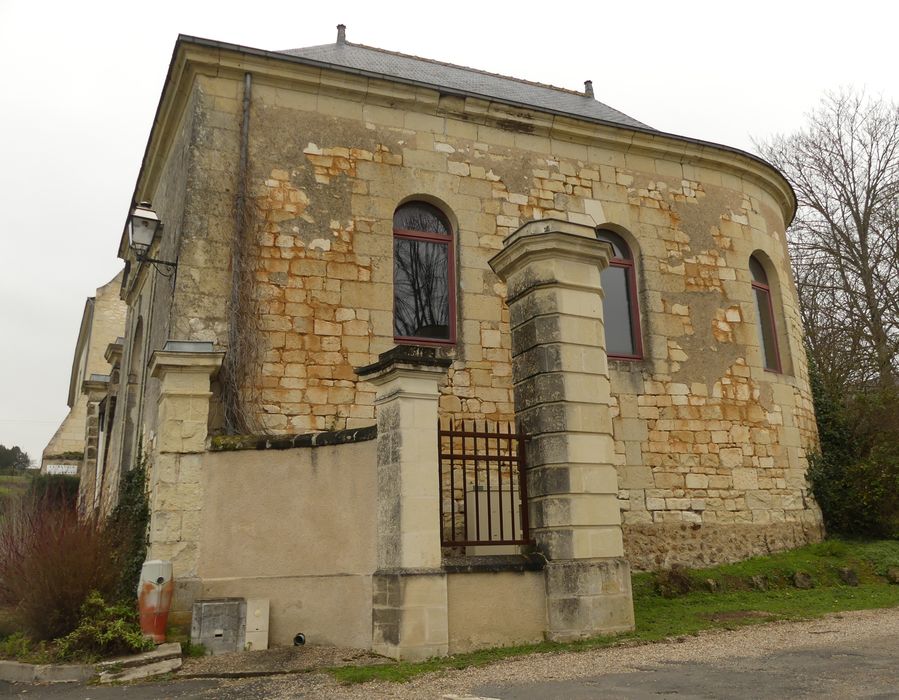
point(767, 338)
point(617, 311)
point(421, 302)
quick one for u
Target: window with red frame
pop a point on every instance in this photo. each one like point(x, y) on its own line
point(423, 278)
point(765, 315)
point(621, 313)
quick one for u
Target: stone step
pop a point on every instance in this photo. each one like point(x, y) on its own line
point(137, 672)
point(163, 652)
point(18, 672)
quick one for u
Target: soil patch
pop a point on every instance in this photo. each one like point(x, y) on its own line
point(736, 615)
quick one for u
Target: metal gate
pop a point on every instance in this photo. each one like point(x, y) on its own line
point(483, 489)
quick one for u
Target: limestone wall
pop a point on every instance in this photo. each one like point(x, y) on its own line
point(705, 437)
point(106, 322)
point(150, 292)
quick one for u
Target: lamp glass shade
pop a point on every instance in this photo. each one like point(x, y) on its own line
point(142, 227)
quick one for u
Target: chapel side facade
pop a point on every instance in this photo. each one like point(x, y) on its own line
point(102, 322)
point(710, 446)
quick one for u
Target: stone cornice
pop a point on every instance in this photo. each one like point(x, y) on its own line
point(165, 361)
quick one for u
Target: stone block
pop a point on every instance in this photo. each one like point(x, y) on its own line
point(409, 615)
point(156, 668)
point(745, 479)
point(697, 481)
point(587, 598)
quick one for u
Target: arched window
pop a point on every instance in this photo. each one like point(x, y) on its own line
point(423, 279)
point(764, 315)
point(621, 314)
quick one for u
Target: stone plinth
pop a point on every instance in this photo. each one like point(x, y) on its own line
point(409, 588)
point(560, 371)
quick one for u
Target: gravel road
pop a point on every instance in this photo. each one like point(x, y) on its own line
point(851, 628)
point(853, 654)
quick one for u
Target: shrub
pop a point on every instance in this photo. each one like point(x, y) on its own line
point(855, 478)
point(129, 520)
point(103, 630)
point(673, 582)
point(49, 562)
point(54, 488)
point(15, 646)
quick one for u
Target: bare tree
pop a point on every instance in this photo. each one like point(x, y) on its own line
point(844, 168)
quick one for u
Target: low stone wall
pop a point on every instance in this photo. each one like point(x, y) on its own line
point(660, 545)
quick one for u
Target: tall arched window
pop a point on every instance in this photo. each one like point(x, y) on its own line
point(621, 314)
point(423, 278)
point(764, 315)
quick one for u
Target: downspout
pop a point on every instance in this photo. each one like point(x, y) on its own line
point(234, 357)
point(244, 142)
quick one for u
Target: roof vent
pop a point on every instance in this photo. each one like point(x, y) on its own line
point(341, 33)
point(588, 88)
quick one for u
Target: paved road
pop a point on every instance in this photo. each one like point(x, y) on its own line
point(854, 655)
point(861, 670)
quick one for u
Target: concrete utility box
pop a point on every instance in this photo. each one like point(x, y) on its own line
point(257, 624)
point(219, 624)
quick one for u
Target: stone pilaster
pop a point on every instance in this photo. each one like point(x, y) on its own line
point(560, 371)
point(409, 615)
point(96, 389)
point(176, 498)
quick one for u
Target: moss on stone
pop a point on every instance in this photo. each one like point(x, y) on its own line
point(228, 443)
point(67, 455)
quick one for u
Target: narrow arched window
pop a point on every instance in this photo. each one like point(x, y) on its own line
point(621, 314)
point(423, 277)
point(764, 315)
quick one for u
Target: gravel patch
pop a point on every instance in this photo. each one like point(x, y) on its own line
point(747, 642)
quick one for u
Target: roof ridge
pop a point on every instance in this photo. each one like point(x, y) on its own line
point(461, 67)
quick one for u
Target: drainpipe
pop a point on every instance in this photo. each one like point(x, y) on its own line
point(233, 358)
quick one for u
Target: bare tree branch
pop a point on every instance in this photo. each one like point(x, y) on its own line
point(844, 168)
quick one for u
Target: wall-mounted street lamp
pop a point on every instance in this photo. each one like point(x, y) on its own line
point(143, 225)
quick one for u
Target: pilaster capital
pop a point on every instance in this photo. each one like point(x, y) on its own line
point(552, 251)
point(409, 370)
point(186, 358)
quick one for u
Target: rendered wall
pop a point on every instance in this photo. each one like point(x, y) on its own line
point(495, 609)
point(296, 526)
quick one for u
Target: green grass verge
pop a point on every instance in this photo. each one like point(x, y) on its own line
point(734, 603)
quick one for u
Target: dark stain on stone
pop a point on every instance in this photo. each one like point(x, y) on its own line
point(511, 125)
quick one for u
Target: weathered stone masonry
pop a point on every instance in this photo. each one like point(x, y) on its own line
point(709, 448)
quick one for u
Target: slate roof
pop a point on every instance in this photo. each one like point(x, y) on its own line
point(467, 81)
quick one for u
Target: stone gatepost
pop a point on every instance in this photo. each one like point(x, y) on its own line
point(184, 370)
point(409, 600)
point(560, 370)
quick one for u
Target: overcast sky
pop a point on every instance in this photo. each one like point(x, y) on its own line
point(81, 81)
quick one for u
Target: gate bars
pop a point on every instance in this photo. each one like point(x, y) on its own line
point(483, 488)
